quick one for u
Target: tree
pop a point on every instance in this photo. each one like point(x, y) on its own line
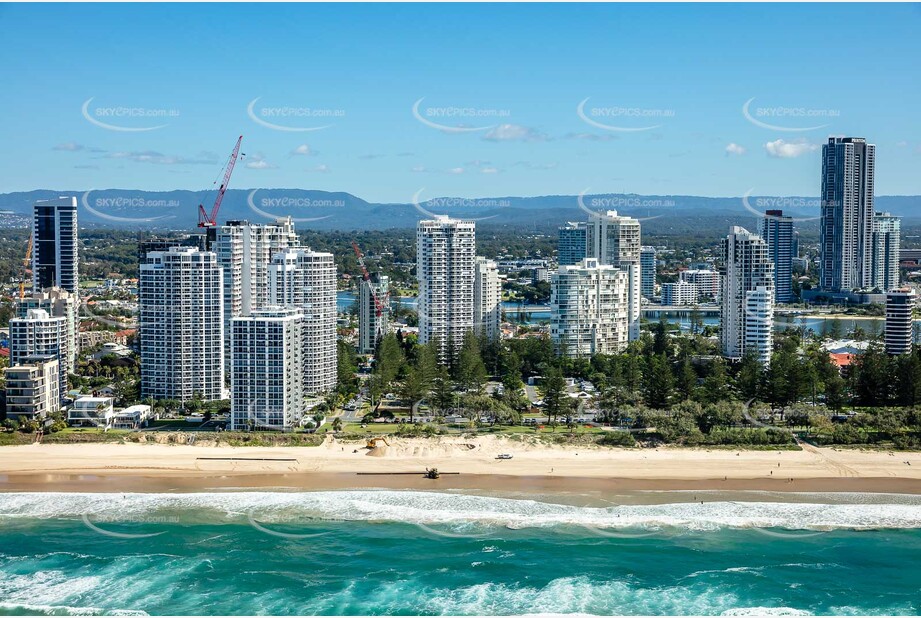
point(658, 382)
point(412, 390)
point(714, 386)
point(749, 375)
point(471, 371)
point(556, 399)
point(686, 380)
point(441, 394)
point(870, 376)
point(337, 424)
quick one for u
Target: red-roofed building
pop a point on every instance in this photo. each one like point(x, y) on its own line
point(843, 361)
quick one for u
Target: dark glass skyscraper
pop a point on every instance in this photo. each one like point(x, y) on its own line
point(54, 254)
point(846, 226)
point(777, 231)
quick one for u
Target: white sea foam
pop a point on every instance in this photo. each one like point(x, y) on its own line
point(454, 510)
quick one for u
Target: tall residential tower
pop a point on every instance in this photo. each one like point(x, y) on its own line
point(747, 312)
point(846, 225)
point(445, 265)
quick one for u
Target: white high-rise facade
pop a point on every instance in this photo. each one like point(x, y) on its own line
point(886, 246)
point(648, 272)
point(39, 335)
point(747, 315)
point(680, 293)
point(306, 280)
point(371, 327)
point(445, 265)
point(589, 309)
point(59, 303)
point(708, 282)
point(266, 369)
point(244, 251)
point(32, 388)
point(180, 325)
point(487, 299)
point(615, 240)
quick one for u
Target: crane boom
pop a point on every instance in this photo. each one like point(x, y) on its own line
point(210, 220)
point(378, 303)
point(25, 269)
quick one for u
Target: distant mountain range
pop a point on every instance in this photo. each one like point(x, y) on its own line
point(661, 214)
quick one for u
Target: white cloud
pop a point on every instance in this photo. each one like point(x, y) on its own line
point(322, 168)
point(735, 149)
point(902, 144)
point(592, 137)
point(535, 166)
point(258, 162)
point(514, 133)
point(69, 146)
point(456, 170)
point(489, 170)
point(303, 150)
point(157, 158)
point(787, 150)
point(419, 168)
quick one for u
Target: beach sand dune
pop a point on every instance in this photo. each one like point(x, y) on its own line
point(474, 458)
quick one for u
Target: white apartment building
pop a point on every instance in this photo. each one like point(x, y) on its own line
point(266, 369)
point(370, 327)
point(589, 312)
point(680, 293)
point(244, 251)
point(487, 299)
point(59, 303)
point(306, 279)
point(39, 334)
point(89, 411)
point(180, 324)
point(32, 388)
point(615, 240)
point(885, 246)
point(747, 312)
point(709, 282)
point(445, 268)
point(759, 323)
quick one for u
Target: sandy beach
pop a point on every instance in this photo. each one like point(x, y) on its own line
point(466, 463)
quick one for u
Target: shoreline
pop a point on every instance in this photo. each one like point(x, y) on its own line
point(534, 468)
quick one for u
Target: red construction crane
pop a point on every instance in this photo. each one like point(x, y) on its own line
point(209, 221)
point(378, 302)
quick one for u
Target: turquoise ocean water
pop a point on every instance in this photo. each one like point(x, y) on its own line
point(402, 552)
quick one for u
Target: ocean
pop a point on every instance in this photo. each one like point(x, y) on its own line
point(372, 552)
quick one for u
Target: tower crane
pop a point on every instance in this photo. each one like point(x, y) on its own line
point(379, 303)
point(25, 269)
point(209, 220)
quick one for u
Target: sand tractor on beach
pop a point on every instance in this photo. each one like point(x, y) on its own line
point(373, 443)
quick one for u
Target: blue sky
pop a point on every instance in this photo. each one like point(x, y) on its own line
point(514, 75)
